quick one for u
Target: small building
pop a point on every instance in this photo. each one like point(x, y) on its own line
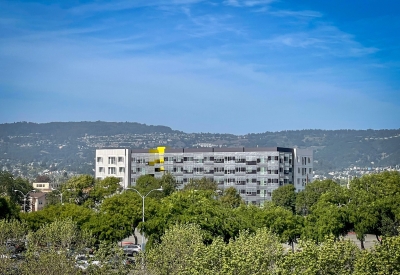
point(37, 201)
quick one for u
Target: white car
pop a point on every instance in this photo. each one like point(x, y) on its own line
point(131, 249)
point(83, 261)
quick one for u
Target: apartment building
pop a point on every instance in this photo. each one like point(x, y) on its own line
point(253, 172)
point(113, 163)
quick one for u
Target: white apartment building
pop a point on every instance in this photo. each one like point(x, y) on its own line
point(254, 172)
point(113, 163)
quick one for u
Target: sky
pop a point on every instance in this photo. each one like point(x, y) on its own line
point(230, 66)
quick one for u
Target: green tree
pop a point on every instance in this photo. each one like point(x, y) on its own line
point(329, 216)
point(117, 217)
point(201, 184)
point(103, 188)
point(77, 189)
point(231, 198)
point(310, 195)
point(282, 222)
point(169, 184)
point(252, 253)
point(374, 204)
point(382, 259)
point(285, 196)
point(176, 253)
point(327, 258)
point(7, 186)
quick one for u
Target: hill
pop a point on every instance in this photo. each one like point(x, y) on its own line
point(71, 145)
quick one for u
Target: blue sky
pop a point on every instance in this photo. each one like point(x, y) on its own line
point(234, 66)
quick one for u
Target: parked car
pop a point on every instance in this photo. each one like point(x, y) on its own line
point(84, 261)
point(131, 249)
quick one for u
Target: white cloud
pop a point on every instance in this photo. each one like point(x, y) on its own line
point(248, 3)
point(328, 39)
point(290, 13)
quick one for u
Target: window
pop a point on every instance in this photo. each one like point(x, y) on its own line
point(219, 169)
point(111, 170)
point(101, 169)
point(120, 159)
point(99, 159)
point(240, 169)
point(198, 170)
point(121, 169)
point(309, 160)
point(310, 170)
point(188, 169)
point(251, 192)
point(229, 170)
point(111, 160)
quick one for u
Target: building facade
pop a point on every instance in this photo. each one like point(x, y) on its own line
point(253, 172)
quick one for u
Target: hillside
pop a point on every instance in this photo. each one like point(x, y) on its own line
point(71, 145)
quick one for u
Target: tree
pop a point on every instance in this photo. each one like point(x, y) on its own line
point(77, 189)
point(231, 198)
point(282, 222)
point(328, 257)
point(285, 196)
point(77, 213)
point(310, 195)
point(381, 259)
point(374, 204)
point(103, 188)
point(146, 183)
point(8, 184)
point(175, 254)
point(168, 183)
point(201, 184)
point(8, 209)
point(252, 253)
point(329, 216)
point(12, 235)
point(49, 250)
point(117, 217)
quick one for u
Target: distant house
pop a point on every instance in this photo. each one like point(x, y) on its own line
point(37, 201)
point(45, 187)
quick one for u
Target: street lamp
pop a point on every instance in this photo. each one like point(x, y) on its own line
point(143, 197)
point(25, 196)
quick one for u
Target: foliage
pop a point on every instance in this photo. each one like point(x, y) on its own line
point(201, 184)
point(311, 194)
point(176, 252)
point(327, 258)
point(8, 184)
point(382, 259)
point(76, 213)
point(104, 188)
point(8, 209)
point(182, 251)
point(117, 217)
point(231, 198)
point(374, 204)
point(285, 196)
point(282, 222)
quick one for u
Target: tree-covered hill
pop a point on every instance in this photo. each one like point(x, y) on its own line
point(71, 145)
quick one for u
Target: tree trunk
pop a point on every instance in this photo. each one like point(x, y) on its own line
point(378, 239)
